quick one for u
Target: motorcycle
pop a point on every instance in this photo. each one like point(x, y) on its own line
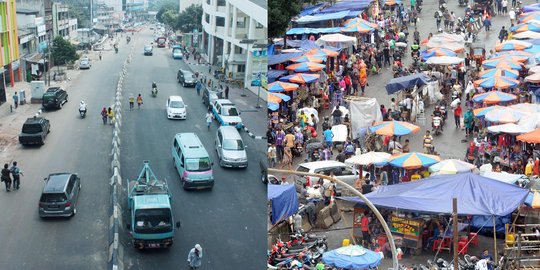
point(82, 109)
point(436, 123)
point(154, 92)
point(463, 3)
point(116, 49)
point(128, 39)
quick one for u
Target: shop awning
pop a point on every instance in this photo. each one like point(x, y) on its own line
point(328, 16)
point(307, 30)
point(35, 58)
point(281, 58)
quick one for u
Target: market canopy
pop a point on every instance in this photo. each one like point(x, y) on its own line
point(502, 63)
point(301, 78)
point(451, 166)
point(309, 58)
point(394, 128)
point(305, 67)
point(528, 26)
point(530, 137)
point(493, 97)
point(277, 87)
point(413, 160)
point(444, 60)
point(308, 30)
point(499, 82)
point(368, 158)
point(426, 54)
point(405, 82)
point(281, 58)
point(509, 128)
point(488, 73)
point(336, 40)
point(326, 52)
point(476, 195)
point(527, 34)
point(284, 201)
point(327, 16)
point(352, 257)
point(512, 45)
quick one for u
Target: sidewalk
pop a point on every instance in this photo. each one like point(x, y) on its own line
point(246, 103)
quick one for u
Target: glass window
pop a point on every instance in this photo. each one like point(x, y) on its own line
point(153, 221)
point(241, 68)
point(53, 197)
point(229, 111)
point(31, 128)
point(258, 25)
point(241, 22)
point(197, 164)
point(176, 104)
point(233, 145)
point(238, 50)
point(220, 21)
point(207, 18)
point(221, 3)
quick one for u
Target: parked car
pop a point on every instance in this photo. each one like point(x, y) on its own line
point(186, 78)
point(59, 195)
point(34, 131)
point(176, 109)
point(54, 97)
point(177, 54)
point(226, 113)
point(148, 50)
point(230, 148)
point(341, 171)
point(85, 63)
point(210, 96)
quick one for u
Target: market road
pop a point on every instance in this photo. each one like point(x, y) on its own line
point(227, 221)
point(74, 145)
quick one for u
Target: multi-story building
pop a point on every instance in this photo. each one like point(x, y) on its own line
point(9, 53)
point(60, 19)
point(235, 36)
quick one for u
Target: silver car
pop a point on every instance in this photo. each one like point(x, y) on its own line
point(85, 63)
point(59, 196)
point(230, 148)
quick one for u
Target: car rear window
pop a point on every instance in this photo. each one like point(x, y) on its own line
point(31, 128)
point(302, 169)
point(53, 197)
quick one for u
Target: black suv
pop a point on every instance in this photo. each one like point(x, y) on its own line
point(34, 131)
point(55, 97)
point(186, 78)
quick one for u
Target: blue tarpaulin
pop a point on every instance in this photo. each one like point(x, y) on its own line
point(284, 201)
point(485, 223)
point(280, 58)
point(347, 5)
point(274, 74)
point(307, 30)
point(325, 17)
point(400, 83)
point(476, 195)
point(341, 258)
point(311, 9)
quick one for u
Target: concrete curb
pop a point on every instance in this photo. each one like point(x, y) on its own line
point(253, 135)
point(116, 249)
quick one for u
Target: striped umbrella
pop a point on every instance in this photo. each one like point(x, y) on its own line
point(514, 57)
point(277, 87)
point(499, 72)
point(493, 97)
point(528, 26)
point(360, 21)
point(481, 112)
point(413, 160)
point(528, 17)
point(451, 166)
point(305, 67)
point(503, 116)
point(519, 54)
point(437, 52)
point(301, 78)
point(499, 82)
point(309, 58)
point(502, 63)
point(325, 52)
point(512, 45)
point(274, 99)
point(526, 107)
point(357, 28)
point(531, 137)
point(368, 158)
point(391, 128)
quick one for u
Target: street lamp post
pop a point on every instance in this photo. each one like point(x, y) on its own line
point(248, 42)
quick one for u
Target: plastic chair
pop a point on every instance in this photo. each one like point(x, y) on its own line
point(463, 248)
point(473, 239)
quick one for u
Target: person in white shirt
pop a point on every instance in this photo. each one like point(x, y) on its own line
point(504, 5)
point(512, 15)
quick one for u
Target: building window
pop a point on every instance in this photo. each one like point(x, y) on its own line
point(241, 68)
point(258, 25)
point(208, 2)
point(207, 18)
point(221, 3)
point(241, 22)
point(238, 50)
point(220, 21)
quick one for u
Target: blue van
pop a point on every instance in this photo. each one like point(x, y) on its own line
point(192, 162)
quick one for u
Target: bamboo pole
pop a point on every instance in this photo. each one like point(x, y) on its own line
point(363, 198)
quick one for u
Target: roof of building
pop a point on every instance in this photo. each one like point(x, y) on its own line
point(27, 11)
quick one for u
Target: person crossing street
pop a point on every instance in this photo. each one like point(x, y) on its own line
point(194, 257)
point(16, 173)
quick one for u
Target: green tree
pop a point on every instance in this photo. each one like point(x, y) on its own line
point(62, 52)
point(190, 18)
point(169, 18)
point(166, 7)
point(280, 13)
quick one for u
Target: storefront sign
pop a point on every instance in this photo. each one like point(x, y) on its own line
point(406, 226)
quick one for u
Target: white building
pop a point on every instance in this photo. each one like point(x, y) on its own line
point(235, 33)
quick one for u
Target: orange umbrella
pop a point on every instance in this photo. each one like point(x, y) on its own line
point(499, 82)
point(391, 128)
point(499, 72)
point(515, 57)
point(305, 67)
point(502, 63)
point(493, 97)
point(327, 52)
point(307, 58)
point(512, 45)
point(531, 137)
point(278, 86)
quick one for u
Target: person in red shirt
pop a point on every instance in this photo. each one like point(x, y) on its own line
point(364, 226)
point(457, 115)
point(348, 84)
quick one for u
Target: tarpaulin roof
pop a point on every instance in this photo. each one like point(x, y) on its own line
point(405, 82)
point(304, 44)
point(505, 177)
point(328, 16)
point(476, 195)
point(307, 30)
point(283, 57)
point(284, 201)
point(274, 74)
point(311, 9)
point(347, 5)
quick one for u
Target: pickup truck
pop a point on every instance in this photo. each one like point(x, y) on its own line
point(34, 131)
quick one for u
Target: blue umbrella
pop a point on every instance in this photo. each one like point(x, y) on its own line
point(352, 257)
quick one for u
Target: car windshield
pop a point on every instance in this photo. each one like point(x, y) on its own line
point(233, 145)
point(31, 128)
point(177, 51)
point(229, 111)
point(53, 197)
point(176, 104)
point(153, 221)
point(148, 48)
point(198, 164)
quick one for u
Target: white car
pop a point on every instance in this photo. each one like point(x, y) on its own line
point(226, 113)
point(176, 109)
point(341, 171)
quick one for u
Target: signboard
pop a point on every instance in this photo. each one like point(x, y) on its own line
point(195, 37)
point(411, 228)
point(256, 79)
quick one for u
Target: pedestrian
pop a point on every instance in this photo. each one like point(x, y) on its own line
point(512, 15)
point(272, 156)
point(16, 99)
point(504, 5)
point(328, 136)
point(139, 101)
point(469, 121)
point(227, 92)
point(6, 178)
point(280, 139)
point(198, 87)
point(99, 55)
point(363, 79)
point(104, 115)
point(131, 101)
point(287, 158)
point(110, 115)
point(488, 264)
point(457, 115)
point(194, 257)
point(364, 221)
point(16, 173)
point(487, 23)
point(503, 34)
point(336, 115)
point(209, 117)
point(209, 69)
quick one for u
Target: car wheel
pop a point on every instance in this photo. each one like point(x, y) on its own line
point(264, 179)
point(66, 99)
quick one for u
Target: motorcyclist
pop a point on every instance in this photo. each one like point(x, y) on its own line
point(82, 108)
point(154, 88)
point(416, 36)
point(438, 113)
point(415, 48)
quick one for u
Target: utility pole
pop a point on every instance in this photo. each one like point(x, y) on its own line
point(91, 13)
point(455, 231)
point(49, 50)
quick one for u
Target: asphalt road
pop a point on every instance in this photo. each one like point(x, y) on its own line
point(74, 145)
point(228, 221)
